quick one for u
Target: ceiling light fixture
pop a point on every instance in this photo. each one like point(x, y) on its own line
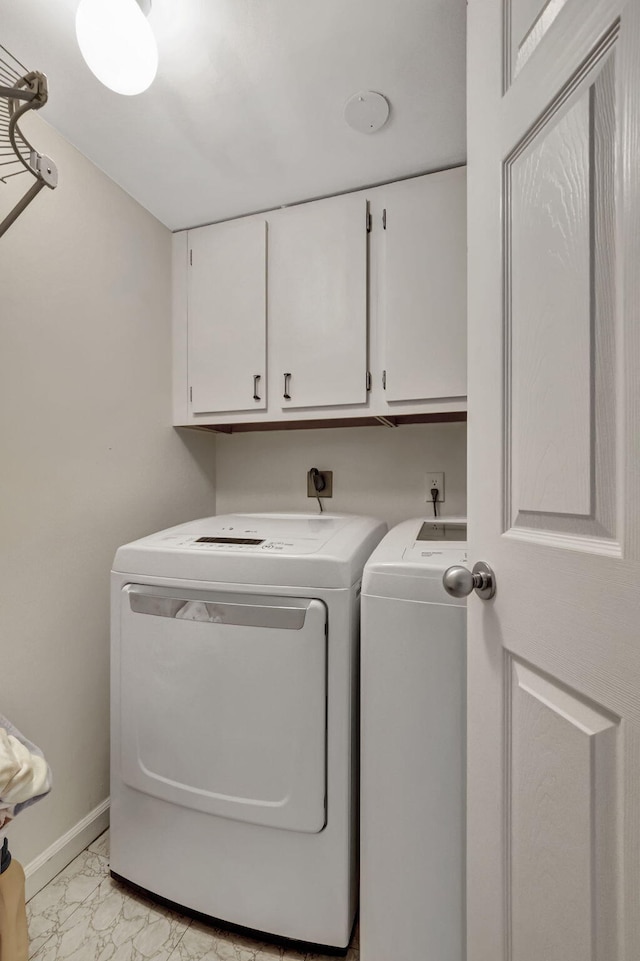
point(117, 43)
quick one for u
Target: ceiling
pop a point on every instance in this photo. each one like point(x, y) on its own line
point(246, 112)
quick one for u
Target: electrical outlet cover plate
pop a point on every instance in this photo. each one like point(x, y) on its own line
point(435, 479)
point(328, 485)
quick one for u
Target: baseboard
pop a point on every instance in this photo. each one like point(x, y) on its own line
point(56, 857)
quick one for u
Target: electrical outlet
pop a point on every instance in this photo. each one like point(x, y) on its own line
point(435, 479)
point(327, 476)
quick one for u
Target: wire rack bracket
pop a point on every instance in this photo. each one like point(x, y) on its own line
point(21, 91)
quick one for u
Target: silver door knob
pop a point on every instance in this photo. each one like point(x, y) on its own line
point(459, 582)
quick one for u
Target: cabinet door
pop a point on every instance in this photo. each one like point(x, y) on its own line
point(227, 317)
point(423, 287)
point(318, 302)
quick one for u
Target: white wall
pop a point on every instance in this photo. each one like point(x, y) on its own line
point(377, 470)
point(88, 457)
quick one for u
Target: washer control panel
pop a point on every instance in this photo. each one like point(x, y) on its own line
point(440, 556)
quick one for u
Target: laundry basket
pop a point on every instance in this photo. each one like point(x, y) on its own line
point(14, 940)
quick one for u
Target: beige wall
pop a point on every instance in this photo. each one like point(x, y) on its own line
point(88, 460)
point(377, 470)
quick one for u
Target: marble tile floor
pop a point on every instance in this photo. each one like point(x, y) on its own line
point(83, 915)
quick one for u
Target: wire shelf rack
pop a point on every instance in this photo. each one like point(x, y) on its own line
point(21, 90)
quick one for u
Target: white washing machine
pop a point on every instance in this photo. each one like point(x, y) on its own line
point(413, 739)
point(234, 727)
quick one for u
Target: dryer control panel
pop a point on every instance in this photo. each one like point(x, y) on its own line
point(233, 534)
point(244, 545)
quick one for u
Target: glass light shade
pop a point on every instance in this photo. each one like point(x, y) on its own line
point(117, 44)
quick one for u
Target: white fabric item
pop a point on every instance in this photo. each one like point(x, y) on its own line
point(194, 611)
point(23, 775)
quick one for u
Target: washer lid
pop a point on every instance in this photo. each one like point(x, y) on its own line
point(324, 550)
point(409, 562)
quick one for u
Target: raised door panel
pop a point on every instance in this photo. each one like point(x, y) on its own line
point(318, 303)
point(227, 317)
point(563, 821)
point(423, 288)
point(561, 325)
point(527, 23)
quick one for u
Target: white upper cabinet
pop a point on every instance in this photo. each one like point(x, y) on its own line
point(422, 293)
point(227, 317)
point(318, 303)
point(360, 324)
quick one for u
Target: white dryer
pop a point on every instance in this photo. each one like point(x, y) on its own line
point(234, 700)
point(413, 739)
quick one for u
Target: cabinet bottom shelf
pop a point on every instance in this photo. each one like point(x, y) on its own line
point(443, 417)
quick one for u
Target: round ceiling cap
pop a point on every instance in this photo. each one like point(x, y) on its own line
point(366, 111)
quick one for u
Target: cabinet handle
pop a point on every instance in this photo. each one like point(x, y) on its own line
point(256, 378)
point(287, 379)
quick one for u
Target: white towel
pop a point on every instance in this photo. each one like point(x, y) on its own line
point(25, 776)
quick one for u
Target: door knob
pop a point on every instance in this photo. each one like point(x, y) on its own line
point(459, 582)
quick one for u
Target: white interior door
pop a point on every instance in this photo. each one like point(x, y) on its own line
point(554, 492)
point(227, 316)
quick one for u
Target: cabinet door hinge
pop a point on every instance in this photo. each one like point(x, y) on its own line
point(368, 380)
point(191, 258)
point(191, 394)
point(369, 225)
point(384, 380)
point(384, 219)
